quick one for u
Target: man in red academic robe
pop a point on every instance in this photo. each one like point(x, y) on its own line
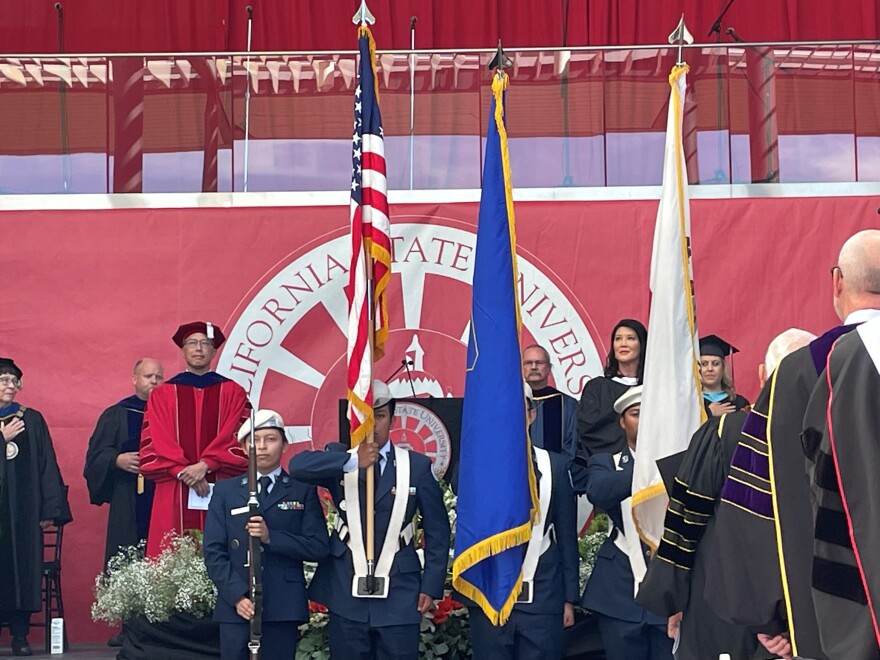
point(188, 440)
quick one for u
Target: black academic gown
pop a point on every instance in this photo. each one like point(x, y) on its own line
point(677, 573)
point(599, 429)
point(762, 578)
point(118, 430)
point(32, 491)
point(555, 427)
point(840, 439)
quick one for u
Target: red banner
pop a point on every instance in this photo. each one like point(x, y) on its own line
point(89, 292)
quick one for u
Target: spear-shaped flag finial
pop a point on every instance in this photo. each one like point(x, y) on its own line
point(680, 36)
point(363, 16)
point(500, 61)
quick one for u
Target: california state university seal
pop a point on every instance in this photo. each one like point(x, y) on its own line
point(287, 343)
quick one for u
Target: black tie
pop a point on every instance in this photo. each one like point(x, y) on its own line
point(265, 482)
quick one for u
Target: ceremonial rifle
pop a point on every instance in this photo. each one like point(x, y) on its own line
point(255, 549)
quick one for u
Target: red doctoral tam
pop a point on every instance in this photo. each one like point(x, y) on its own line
point(205, 327)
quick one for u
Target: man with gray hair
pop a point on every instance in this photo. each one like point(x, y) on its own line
point(762, 552)
point(674, 584)
point(555, 426)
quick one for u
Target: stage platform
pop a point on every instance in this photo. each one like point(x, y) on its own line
point(84, 652)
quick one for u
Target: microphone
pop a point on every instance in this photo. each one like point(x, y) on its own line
point(732, 33)
point(59, 7)
point(412, 22)
point(405, 363)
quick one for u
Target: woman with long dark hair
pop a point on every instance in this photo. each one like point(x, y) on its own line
point(599, 427)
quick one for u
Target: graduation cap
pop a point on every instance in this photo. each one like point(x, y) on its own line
point(7, 366)
point(715, 345)
point(205, 327)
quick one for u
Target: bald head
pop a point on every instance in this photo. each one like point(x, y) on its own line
point(857, 277)
point(148, 375)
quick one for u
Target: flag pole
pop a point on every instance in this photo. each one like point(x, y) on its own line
point(412, 97)
point(363, 17)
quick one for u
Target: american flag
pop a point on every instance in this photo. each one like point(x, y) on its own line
point(370, 270)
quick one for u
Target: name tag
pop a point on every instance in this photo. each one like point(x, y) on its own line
point(412, 490)
point(291, 505)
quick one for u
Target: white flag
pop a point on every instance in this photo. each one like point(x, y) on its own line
point(672, 408)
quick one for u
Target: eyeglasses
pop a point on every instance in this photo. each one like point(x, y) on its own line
point(203, 343)
point(534, 363)
point(6, 381)
point(837, 268)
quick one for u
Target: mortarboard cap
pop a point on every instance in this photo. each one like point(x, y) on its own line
point(715, 345)
point(7, 366)
point(632, 397)
point(210, 330)
point(381, 394)
point(263, 419)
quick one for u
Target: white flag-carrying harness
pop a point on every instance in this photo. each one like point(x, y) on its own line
point(627, 539)
point(672, 408)
point(391, 544)
point(542, 530)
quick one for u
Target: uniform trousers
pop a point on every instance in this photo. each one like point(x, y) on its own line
point(626, 640)
point(278, 641)
point(354, 640)
point(525, 636)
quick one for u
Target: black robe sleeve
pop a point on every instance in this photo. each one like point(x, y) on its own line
point(599, 429)
point(667, 585)
point(53, 501)
point(100, 468)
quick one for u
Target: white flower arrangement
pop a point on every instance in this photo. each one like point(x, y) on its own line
point(157, 587)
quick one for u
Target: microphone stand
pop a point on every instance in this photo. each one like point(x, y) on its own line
point(720, 175)
point(247, 94)
point(716, 26)
point(567, 179)
point(412, 387)
point(65, 137)
point(412, 97)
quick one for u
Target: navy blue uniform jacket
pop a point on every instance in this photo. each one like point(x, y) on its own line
point(609, 590)
point(331, 585)
point(297, 533)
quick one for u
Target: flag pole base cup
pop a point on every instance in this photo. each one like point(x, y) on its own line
point(525, 594)
point(369, 586)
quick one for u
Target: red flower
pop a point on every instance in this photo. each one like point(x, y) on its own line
point(316, 608)
point(445, 607)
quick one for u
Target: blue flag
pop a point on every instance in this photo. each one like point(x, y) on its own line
point(497, 496)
